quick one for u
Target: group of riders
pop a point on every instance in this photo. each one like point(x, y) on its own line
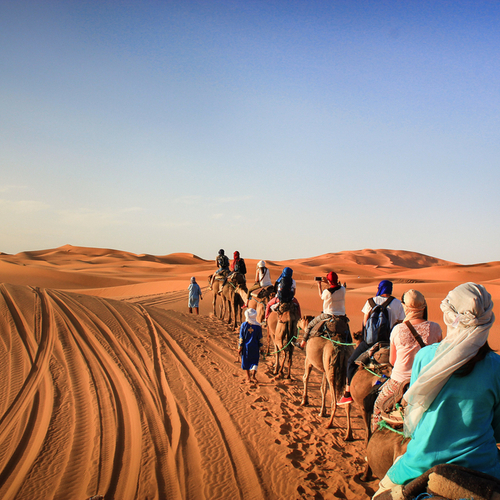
point(453, 403)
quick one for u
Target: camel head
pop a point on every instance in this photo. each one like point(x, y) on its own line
point(303, 322)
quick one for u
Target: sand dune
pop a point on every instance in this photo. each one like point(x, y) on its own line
point(110, 388)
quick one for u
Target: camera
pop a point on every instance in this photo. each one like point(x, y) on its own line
point(318, 278)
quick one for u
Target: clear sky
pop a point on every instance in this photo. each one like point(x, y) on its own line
point(282, 129)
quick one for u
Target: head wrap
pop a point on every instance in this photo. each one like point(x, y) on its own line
point(251, 316)
point(414, 305)
point(287, 273)
point(332, 278)
point(261, 263)
point(468, 314)
point(384, 287)
point(236, 254)
point(193, 279)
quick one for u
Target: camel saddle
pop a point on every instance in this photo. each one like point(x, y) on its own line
point(378, 359)
point(335, 328)
point(447, 482)
point(264, 292)
point(222, 275)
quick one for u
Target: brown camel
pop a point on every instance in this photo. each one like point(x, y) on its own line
point(361, 386)
point(233, 296)
point(330, 358)
point(216, 286)
point(282, 329)
point(258, 300)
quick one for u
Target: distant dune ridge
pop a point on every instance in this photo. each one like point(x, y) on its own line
point(109, 387)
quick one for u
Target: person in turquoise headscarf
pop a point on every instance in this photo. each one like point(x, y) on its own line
point(453, 412)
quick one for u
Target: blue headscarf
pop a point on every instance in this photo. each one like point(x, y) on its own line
point(384, 287)
point(287, 273)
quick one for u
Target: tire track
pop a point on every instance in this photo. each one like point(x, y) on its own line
point(240, 479)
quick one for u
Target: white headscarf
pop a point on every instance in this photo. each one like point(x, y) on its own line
point(251, 316)
point(468, 314)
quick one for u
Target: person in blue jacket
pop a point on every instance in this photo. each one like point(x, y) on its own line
point(453, 412)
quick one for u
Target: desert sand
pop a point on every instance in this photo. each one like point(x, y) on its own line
point(109, 387)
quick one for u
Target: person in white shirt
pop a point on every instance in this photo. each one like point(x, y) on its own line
point(262, 279)
point(333, 305)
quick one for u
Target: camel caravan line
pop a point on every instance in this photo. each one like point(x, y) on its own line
point(358, 369)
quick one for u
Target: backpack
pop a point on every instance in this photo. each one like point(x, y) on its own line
point(378, 324)
point(223, 261)
point(285, 293)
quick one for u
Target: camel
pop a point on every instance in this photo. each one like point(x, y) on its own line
point(233, 294)
point(261, 297)
point(215, 287)
point(330, 359)
point(361, 386)
point(282, 328)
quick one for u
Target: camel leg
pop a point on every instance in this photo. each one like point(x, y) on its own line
point(348, 432)
point(333, 396)
point(305, 379)
point(290, 355)
point(276, 360)
point(322, 411)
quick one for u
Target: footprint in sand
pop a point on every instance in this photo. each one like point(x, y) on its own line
point(285, 428)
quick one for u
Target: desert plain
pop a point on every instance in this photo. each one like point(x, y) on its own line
point(110, 388)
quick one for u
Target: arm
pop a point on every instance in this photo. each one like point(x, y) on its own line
point(393, 354)
point(320, 288)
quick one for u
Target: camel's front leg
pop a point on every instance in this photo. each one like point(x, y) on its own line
point(290, 356)
point(348, 432)
point(276, 360)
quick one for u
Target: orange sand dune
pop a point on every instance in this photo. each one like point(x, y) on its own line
point(110, 388)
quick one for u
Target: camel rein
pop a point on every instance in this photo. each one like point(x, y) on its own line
point(283, 348)
point(336, 341)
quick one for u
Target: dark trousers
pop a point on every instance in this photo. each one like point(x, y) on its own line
point(351, 365)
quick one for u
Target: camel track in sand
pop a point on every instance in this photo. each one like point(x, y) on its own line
point(132, 401)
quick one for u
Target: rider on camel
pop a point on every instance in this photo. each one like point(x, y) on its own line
point(262, 279)
point(285, 286)
point(222, 263)
point(237, 266)
point(333, 308)
point(396, 315)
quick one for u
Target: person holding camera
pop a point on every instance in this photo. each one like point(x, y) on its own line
point(333, 304)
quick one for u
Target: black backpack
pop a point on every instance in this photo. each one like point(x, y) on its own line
point(378, 324)
point(223, 261)
point(285, 293)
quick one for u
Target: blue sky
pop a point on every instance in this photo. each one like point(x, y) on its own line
point(279, 129)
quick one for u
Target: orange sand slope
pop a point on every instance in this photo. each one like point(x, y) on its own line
point(134, 398)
